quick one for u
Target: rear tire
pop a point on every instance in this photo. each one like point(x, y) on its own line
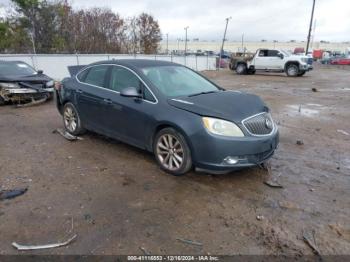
point(241, 69)
point(71, 120)
point(292, 70)
point(172, 152)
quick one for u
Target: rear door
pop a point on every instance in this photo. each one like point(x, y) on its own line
point(275, 61)
point(261, 59)
point(92, 96)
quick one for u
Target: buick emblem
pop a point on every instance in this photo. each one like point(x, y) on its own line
point(268, 123)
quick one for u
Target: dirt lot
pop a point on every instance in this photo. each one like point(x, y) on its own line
point(119, 200)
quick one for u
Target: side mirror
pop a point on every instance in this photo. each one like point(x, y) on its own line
point(280, 56)
point(130, 92)
point(40, 72)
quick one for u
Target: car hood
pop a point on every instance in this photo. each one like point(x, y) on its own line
point(230, 105)
point(39, 78)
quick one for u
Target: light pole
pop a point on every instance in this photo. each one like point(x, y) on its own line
point(310, 27)
point(243, 43)
point(178, 46)
point(274, 43)
point(185, 42)
point(223, 40)
point(167, 43)
point(186, 39)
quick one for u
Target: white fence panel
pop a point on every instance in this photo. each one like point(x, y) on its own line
point(88, 59)
point(25, 58)
point(55, 65)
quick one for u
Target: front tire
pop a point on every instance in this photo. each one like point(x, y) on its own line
point(241, 69)
point(292, 70)
point(251, 71)
point(71, 120)
point(172, 152)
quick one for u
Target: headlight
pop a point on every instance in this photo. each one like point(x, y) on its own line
point(222, 127)
point(303, 59)
point(9, 85)
point(49, 83)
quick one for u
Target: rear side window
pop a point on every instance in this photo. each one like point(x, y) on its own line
point(273, 53)
point(82, 75)
point(263, 53)
point(96, 75)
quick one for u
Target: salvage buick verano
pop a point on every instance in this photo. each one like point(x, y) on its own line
point(183, 118)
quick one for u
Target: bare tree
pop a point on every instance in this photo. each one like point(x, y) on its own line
point(149, 33)
point(54, 27)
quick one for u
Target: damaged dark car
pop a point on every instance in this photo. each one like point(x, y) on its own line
point(22, 84)
point(168, 109)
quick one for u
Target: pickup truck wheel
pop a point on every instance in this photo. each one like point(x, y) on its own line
point(71, 120)
point(251, 72)
point(292, 70)
point(241, 69)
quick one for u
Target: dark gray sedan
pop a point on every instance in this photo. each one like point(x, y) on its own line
point(179, 115)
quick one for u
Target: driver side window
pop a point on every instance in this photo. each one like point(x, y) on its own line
point(122, 78)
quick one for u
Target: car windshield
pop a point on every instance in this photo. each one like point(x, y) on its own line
point(16, 69)
point(175, 81)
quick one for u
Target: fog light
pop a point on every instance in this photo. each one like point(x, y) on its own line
point(231, 160)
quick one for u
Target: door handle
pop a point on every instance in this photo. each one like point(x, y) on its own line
point(107, 101)
point(79, 91)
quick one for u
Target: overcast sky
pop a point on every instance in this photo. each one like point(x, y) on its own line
point(281, 20)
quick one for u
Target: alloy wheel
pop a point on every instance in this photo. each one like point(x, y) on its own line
point(70, 119)
point(292, 70)
point(240, 69)
point(170, 152)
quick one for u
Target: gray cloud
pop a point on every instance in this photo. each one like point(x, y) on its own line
point(257, 19)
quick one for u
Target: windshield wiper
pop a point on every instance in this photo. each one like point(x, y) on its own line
point(202, 93)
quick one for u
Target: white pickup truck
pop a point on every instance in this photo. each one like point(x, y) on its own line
point(272, 60)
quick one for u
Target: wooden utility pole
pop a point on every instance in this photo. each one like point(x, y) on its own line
point(310, 27)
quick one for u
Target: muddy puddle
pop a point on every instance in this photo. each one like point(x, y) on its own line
point(307, 110)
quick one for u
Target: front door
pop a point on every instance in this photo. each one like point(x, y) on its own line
point(130, 119)
point(275, 61)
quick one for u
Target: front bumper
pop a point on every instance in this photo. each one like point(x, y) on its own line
point(28, 90)
point(306, 67)
point(210, 152)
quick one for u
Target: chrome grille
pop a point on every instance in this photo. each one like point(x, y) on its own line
point(259, 125)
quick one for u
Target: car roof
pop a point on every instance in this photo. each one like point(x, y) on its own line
point(137, 63)
point(11, 62)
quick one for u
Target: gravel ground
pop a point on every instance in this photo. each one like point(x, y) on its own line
point(116, 199)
